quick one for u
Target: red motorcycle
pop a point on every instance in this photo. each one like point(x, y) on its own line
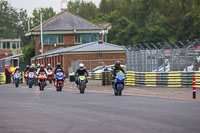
point(42, 81)
point(50, 76)
point(26, 77)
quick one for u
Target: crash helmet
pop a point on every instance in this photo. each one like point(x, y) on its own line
point(81, 66)
point(33, 65)
point(58, 65)
point(49, 65)
point(42, 67)
point(17, 68)
point(38, 65)
point(117, 64)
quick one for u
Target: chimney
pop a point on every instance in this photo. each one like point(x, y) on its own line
point(63, 5)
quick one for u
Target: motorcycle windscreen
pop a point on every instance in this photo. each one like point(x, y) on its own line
point(82, 77)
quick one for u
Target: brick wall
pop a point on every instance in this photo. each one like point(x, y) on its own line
point(68, 41)
point(3, 53)
point(94, 59)
point(91, 60)
point(37, 45)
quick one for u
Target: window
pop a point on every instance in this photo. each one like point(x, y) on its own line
point(49, 39)
point(14, 46)
point(60, 39)
point(78, 39)
point(4, 45)
point(8, 45)
point(18, 45)
point(86, 38)
point(53, 39)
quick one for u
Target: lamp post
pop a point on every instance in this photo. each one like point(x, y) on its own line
point(41, 33)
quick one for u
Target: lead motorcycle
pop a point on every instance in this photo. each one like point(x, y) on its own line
point(42, 80)
point(59, 81)
point(119, 83)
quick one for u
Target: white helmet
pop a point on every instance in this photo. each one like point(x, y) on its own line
point(49, 65)
point(81, 65)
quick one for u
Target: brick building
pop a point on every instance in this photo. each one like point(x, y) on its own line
point(64, 30)
point(91, 54)
point(9, 47)
point(68, 37)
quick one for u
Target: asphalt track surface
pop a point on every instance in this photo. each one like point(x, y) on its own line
point(24, 110)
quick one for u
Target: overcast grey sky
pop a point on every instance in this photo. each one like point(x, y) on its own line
point(30, 5)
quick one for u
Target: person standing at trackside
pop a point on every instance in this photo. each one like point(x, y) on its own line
point(115, 69)
point(57, 70)
point(81, 71)
point(8, 74)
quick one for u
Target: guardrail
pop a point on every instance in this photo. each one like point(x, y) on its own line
point(166, 79)
point(95, 76)
point(2, 78)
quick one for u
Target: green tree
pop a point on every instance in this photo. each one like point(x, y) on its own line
point(46, 14)
point(189, 28)
point(29, 51)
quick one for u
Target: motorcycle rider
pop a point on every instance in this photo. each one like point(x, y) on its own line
point(81, 71)
point(49, 67)
point(26, 69)
point(58, 69)
point(115, 69)
point(40, 70)
point(16, 71)
point(38, 67)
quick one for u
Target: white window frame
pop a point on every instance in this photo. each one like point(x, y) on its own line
point(57, 39)
point(76, 39)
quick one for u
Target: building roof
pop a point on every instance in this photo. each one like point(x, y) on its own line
point(13, 57)
point(67, 21)
point(88, 47)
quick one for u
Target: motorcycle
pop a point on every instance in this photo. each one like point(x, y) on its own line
point(26, 78)
point(17, 79)
point(119, 83)
point(59, 81)
point(31, 78)
point(42, 77)
point(82, 83)
point(50, 76)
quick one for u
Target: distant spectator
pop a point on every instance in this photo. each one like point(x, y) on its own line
point(8, 74)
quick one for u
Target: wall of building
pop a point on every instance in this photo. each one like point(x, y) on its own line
point(3, 53)
point(91, 60)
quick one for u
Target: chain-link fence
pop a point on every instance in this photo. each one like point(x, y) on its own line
point(164, 57)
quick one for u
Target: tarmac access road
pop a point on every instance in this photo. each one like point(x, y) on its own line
point(25, 110)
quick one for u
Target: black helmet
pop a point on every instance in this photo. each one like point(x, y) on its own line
point(58, 65)
point(117, 64)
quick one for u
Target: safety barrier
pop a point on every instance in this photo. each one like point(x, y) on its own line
point(165, 79)
point(95, 76)
point(2, 78)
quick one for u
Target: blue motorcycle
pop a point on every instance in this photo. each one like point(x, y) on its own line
point(59, 81)
point(17, 79)
point(119, 83)
point(31, 78)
